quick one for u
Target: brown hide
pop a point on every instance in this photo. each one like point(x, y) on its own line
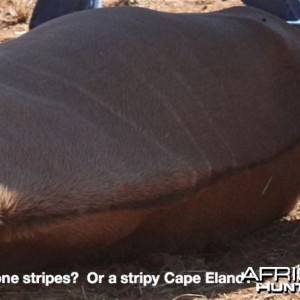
point(112, 121)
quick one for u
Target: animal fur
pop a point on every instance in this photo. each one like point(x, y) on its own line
point(134, 127)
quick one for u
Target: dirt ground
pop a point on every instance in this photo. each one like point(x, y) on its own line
point(276, 245)
point(15, 14)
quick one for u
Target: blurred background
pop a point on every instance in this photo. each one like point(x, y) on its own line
point(15, 14)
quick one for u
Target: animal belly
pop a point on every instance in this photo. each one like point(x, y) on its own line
point(231, 207)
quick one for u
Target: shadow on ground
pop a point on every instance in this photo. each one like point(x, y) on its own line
point(276, 245)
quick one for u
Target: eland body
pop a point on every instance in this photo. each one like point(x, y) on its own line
point(129, 128)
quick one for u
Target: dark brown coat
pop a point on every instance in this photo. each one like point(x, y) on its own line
point(136, 127)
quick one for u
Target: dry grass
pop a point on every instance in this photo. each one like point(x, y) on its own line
point(275, 245)
point(16, 11)
point(14, 18)
point(22, 9)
